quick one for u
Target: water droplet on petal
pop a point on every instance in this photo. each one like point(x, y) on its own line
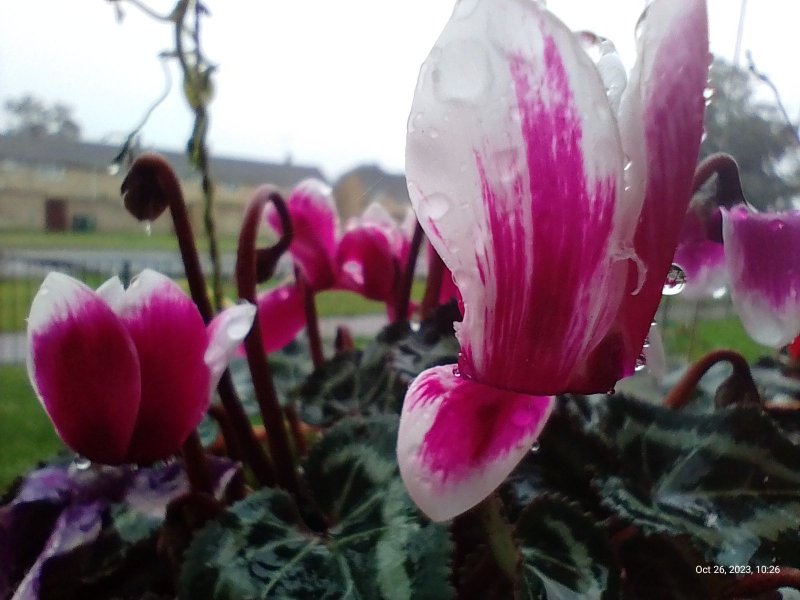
point(641, 363)
point(676, 281)
point(463, 73)
point(535, 447)
point(456, 371)
point(355, 271)
point(719, 293)
point(433, 133)
point(148, 228)
point(777, 225)
point(81, 464)
point(436, 206)
point(414, 122)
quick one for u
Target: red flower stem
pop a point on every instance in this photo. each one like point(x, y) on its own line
point(260, 371)
point(681, 394)
point(312, 321)
point(433, 286)
point(197, 468)
point(300, 446)
point(404, 295)
point(220, 415)
point(760, 583)
point(729, 186)
point(170, 187)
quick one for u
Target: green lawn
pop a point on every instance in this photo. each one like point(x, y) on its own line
point(26, 435)
point(695, 341)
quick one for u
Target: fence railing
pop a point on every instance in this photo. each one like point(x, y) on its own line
point(22, 272)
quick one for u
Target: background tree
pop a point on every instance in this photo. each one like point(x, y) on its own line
point(30, 116)
point(756, 133)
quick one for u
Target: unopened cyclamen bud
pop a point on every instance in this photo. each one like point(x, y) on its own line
point(145, 187)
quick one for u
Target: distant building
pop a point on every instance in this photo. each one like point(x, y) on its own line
point(68, 184)
point(361, 186)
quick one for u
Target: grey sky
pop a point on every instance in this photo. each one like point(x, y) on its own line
point(327, 81)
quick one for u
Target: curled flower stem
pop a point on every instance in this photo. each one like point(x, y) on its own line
point(260, 370)
point(312, 322)
point(156, 167)
point(404, 295)
point(433, 286)
point(729, 186)
point(760, 583)
point(681, 394)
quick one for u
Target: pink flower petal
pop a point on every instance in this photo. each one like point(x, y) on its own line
point(459, 439)
point(315, 224)
point(170, 339)
point(763, 256)
point(281, 315)
point(84, 368)
point(367, 263)
point(661, 122)
point(225, 335)
point(518, 192)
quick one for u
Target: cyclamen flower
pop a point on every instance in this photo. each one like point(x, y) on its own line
point(368, 259)
point(701, 258)
point(557, 205)
point(126, 375)
point(762, 252)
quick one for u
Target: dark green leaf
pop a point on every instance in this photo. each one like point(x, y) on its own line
point(728, 479)
point(565, 552)
point(377, 544)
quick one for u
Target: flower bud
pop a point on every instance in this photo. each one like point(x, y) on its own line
point(144, 192)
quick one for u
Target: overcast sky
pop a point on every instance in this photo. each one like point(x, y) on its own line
point(328, 82)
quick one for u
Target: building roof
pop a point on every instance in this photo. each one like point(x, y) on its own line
point(60, 152)
point(380, 183)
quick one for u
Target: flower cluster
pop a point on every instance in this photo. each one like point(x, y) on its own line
point(126, 375)
point(554, 190)
point(368, 259)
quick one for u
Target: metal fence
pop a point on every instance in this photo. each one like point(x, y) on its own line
point(22, 272)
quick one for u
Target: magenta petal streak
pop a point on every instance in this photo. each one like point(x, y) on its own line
point(281, 315)
point(554, 225)
point(459, 439)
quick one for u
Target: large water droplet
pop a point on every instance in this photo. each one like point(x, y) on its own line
point(535, 447)
point(415, 122)
point(463, 73)
point(641, 363)
point(676, 281)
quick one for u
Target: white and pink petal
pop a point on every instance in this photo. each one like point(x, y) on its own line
point(661, 124)
point(315, 228)
point(84, 368)
point(762, 252)
point(459, 439)
point(170, 339)
point(515, 166)
point(225, 334)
